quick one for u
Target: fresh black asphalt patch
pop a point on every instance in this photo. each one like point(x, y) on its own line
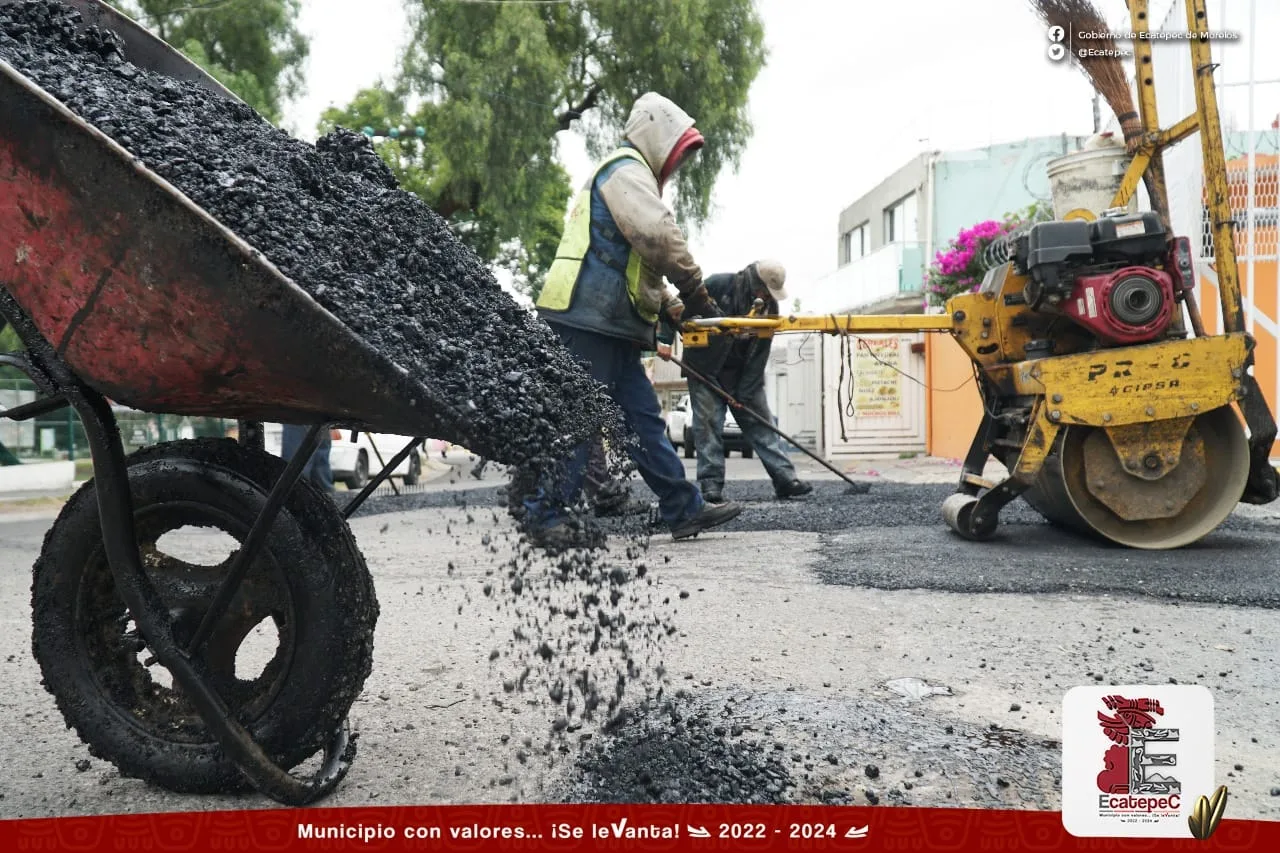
point(893, 537)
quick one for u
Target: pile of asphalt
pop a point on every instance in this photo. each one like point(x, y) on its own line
point(747, 746)
point(332, 218)
point(676, 751)
point(493, 378)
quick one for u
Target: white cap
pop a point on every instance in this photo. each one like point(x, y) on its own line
point(773, 276)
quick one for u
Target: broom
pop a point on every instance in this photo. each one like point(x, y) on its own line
point(1106, 73)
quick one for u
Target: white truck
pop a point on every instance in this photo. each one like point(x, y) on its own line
point(354, 464)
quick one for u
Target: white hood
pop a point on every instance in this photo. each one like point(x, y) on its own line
point(655, 126)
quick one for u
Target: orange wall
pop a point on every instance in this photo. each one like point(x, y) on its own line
point(1267, 354)
point(955, 408)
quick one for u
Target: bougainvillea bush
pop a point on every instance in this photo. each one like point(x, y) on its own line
point(961, 266)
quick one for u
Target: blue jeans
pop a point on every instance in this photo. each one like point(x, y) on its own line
point(615, 363)
point(317, 468)
point(708, 437)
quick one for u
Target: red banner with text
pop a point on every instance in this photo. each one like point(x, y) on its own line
point(596, 827)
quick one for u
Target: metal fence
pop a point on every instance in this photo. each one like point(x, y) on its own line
point(1247, 77)
point(60, 435)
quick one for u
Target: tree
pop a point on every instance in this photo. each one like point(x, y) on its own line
point(492, 84)
point(253, 47)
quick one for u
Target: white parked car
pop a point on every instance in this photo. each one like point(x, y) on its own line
point(680, 431)
point(354, 464)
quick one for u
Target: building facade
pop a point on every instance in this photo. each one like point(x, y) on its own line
point(885, 240)
point(868, 396)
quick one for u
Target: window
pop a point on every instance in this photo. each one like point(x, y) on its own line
point(856, 242)
point(900, 221)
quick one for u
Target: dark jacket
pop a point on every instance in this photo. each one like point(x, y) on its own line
point(736, 363)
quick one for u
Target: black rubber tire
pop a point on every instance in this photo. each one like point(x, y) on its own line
point(360, 477)
point(689, 449)
point(330, 618)
point(415, 470)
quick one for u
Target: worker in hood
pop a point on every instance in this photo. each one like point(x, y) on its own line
point(603, 296)
point(737, 364)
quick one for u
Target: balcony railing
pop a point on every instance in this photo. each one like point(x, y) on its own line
point(892, 270)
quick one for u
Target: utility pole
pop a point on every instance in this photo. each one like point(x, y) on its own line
point(1097, 114)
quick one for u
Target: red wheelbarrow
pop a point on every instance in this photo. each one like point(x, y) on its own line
point(122, 289)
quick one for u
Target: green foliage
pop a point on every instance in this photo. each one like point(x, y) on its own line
point(1037, 211)
point(253, 47)
point(9, 340)
point(493, 83)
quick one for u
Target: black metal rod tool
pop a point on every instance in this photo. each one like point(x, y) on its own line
point(765, 422)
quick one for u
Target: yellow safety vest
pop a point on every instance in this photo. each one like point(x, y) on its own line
point(562, 278)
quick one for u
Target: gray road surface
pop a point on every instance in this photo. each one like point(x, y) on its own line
point(795, 620)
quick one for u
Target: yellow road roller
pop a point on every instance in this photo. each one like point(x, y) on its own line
point(1113, 411)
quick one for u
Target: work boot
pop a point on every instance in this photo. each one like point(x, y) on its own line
point(711, 515)
point(794, 489)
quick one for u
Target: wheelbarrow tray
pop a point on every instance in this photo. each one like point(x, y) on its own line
point(157, 305)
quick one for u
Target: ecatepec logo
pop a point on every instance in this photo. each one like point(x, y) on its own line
point(1131, 765)
point(1135, 759)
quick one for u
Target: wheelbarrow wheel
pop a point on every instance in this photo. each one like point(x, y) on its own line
point(289, 657)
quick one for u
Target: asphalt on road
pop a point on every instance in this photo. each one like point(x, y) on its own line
point(794, 619)
point(892, 537)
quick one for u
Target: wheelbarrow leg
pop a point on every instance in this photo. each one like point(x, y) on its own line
point(354, 503)
point(115, 509)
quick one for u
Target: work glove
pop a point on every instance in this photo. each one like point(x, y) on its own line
point(674, 309)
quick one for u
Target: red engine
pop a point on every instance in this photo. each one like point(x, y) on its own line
point(1119, 277)
point(1129, 306)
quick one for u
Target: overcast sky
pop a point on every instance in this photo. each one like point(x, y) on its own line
point(852, 90)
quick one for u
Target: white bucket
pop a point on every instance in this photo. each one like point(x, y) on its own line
point(1085, 182)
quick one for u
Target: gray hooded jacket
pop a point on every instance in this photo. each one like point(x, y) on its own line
point(627, 203)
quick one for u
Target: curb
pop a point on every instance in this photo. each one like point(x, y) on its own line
point(34, 515)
